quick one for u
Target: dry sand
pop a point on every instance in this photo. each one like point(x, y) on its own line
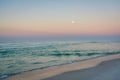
point(108, 70)
point(95, 66)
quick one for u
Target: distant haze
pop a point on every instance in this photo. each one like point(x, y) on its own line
point(26, 18)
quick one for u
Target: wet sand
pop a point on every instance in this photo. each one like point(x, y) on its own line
point(102, 68)
point(108, 70)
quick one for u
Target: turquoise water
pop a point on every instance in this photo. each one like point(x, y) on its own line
point(20, 56)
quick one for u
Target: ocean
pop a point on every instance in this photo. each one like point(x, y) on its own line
point(21, 56)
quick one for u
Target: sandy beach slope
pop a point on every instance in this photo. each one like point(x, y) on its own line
point(108, 70)
point(102, 68)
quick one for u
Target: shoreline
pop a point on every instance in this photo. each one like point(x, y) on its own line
point(107, 70)
point(56, 70)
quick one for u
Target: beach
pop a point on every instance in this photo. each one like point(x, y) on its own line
point(59, 39)
point(103, 71)
point(102, 68)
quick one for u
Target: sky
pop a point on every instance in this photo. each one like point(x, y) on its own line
point(59, 17)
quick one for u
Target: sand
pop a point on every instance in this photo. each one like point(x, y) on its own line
point(102, 68)
point(103, 71)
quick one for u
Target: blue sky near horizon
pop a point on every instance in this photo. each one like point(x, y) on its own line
point(59, 17)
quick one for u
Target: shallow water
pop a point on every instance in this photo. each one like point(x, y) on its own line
point(19, 56)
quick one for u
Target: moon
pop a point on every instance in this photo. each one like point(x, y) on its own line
point(73, 22)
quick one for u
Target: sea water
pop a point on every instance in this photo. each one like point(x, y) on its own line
point(20, 56)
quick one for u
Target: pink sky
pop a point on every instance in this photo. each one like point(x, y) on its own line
point(37, 18)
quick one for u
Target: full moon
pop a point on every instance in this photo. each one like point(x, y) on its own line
point(73, 22)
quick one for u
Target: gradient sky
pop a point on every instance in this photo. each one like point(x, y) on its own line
point(59, 17)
